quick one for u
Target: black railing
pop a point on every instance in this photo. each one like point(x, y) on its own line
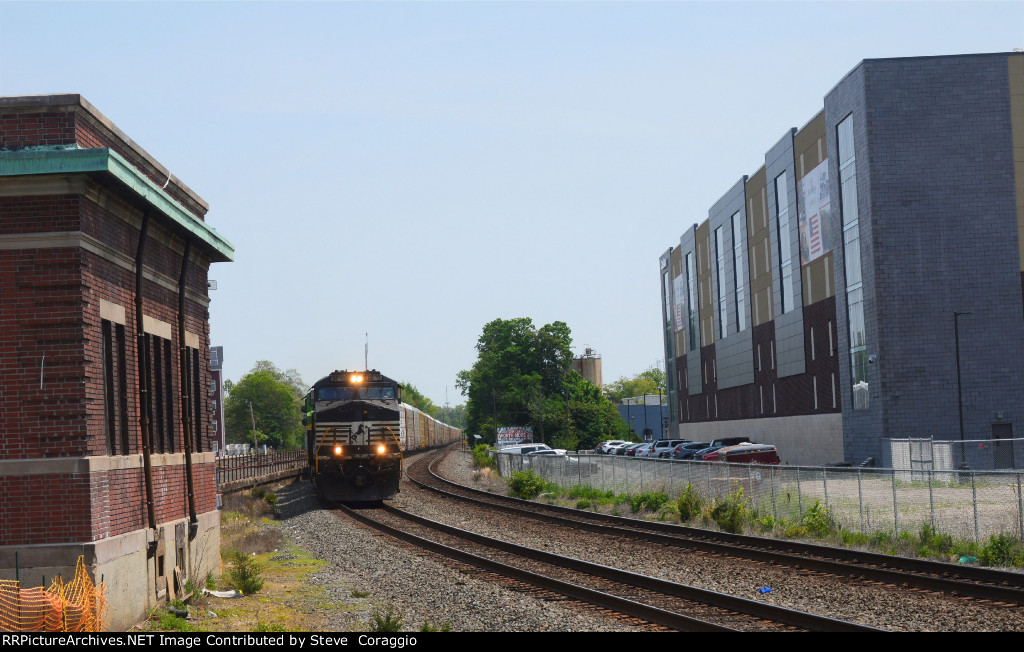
point(242, 467)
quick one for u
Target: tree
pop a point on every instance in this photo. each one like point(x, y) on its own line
point(521, 378)
point(274, 408)
point(648, 382)
point(415, 398)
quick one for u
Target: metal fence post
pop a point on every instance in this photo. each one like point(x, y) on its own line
point(824, 484)
point(895, 507)
point(1020, 509)
point(775, 509)
point(860, 499)
point(931, 500)
point(974, 494)
point(799, 494)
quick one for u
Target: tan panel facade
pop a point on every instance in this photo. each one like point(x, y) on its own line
point(1015, 64)
point(759, 248)
point(809, 150)
point(676, 268)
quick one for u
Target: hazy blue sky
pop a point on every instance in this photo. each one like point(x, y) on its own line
point(415, 170)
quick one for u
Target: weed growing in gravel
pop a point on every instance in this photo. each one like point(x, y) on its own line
point(427, 627)
point(818, 521)
point(359, 594)
point(245, 573)
point(388, 621)
point(1001, 550)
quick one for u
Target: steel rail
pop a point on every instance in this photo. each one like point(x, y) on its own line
point(784, 615)
point(631, 608)
point(969, 581)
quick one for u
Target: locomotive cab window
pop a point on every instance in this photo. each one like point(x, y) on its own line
point(387, 393)
point(335, 393)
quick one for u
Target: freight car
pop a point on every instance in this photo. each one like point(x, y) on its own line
point(357, 431)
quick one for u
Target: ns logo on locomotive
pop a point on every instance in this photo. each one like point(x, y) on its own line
point(357, 430)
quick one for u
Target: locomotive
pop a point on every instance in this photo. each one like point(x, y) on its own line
point(357, 431)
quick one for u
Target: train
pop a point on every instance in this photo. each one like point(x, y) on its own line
point(358, 431)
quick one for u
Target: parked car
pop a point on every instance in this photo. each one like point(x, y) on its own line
point(686, 450)
point(607, 446)
point(618, 448)
point(643, 450)
point(663, 447)
point(702, 454)
point(746, 454)
point(730, 441)
point(524, 449)
point(630, 450)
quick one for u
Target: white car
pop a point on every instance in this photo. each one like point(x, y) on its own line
point(606, 447)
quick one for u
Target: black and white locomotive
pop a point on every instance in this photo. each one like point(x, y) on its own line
point(357, 431)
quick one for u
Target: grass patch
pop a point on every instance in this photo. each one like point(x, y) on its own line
point(386, 621)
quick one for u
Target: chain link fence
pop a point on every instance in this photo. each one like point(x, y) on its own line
point(970, 505)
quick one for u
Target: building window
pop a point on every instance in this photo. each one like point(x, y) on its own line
point(196, 398)
point(852, 263)
point(739, 273)
point(785, 253)
point(161, 390)
point(115, 388)
point(691, 300)
point(723, 304)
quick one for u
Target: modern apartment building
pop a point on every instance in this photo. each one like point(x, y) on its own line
point(821, 304)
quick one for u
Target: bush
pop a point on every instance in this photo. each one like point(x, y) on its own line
point(245, 574)
point(481, 457)
point(730, 512)
point(526, 484)
point(652, 501)
point(1001, 550)
point(818, 521)
point(690, 504)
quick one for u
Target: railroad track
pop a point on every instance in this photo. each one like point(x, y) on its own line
point(996, 586)
point(631, 595)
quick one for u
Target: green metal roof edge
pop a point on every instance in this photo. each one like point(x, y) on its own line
point(69, 161)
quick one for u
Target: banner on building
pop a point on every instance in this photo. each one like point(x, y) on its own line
point(815, 214)
point(679, 305)
point(512, 435)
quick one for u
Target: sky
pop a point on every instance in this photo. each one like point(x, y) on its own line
point(403, 173)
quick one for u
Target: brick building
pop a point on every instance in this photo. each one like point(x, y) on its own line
point(814, 307)
point(105, 435)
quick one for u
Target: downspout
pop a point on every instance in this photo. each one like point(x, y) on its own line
point(142, 354)
point(186, 395)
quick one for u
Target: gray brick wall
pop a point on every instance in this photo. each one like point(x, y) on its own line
point(938, 234)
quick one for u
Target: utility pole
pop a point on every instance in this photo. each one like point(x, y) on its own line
point(253, 417)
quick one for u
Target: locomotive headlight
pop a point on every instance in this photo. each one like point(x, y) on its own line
point(356, 378)
point(337, 450)
point(381, 449)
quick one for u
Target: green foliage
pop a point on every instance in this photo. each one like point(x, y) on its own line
point(730, 512)
point(415, 398)
point(1001, 550)
point(166, 621)
point(245, 573)
point(690, 504)
point(933, 544)
point(647, 382)
point(481, 457)
point(521, 378)
point(268, 627)
point(386, 622)
point(427, 627)
point(526, 484)
point(275, 397)
point(652, 501)
point(818, 521)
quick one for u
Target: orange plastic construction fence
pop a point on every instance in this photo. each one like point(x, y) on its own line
point(75, 606)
